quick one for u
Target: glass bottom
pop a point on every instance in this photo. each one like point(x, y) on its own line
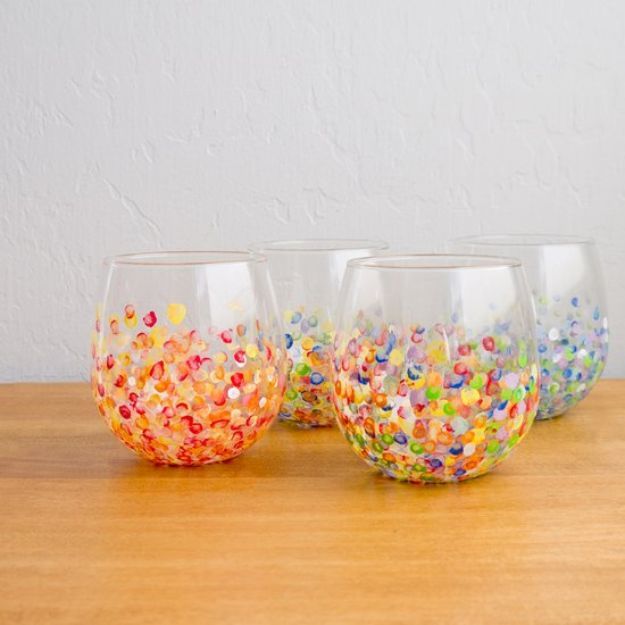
point(307, 419)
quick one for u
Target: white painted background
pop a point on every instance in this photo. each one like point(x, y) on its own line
point(130, 125)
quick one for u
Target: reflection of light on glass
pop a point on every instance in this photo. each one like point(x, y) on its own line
point(558, 282)
point(476, 291)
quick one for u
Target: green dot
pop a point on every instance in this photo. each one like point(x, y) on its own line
point(387, 439)
point(506, 393)
point(377, 447)
point(416, 448)
point(302, 369)
point(433, 392)
point(492, 447)
point(518, 394)
point(514, 439)
point(477, 382)
point(523, 359)
point(291, 394)
point(554, 387)
point(449, 410)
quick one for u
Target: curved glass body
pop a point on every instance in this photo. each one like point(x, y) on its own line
point(189, 364)
point(566, 282)
point(436, 373)
point(307, 277)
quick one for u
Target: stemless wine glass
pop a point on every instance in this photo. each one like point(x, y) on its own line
point(189, 364)
point(566, 281)
point(307, 277)
point(436, 373)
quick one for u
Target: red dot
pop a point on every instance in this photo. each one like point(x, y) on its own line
point(150, 319)
point(460, 368)
point(464, 350)
point(489, 343)
point(196, 428)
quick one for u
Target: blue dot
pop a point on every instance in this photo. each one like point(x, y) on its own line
point(400, 438)
point(568, 373)
point(413, 373)
point(296, 318)
point(455, 450)
point(596, 314)
point(459, 472)
point(316, 378)
point(435, 463)
point(542, 348)
point(575, 301)
point(289, 341)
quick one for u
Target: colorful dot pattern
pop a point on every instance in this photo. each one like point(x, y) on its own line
point(308, 398)
point(572, 350)
point(177, 396)
point(433, 404)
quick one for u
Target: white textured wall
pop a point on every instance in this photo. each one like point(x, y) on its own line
point(131, 125)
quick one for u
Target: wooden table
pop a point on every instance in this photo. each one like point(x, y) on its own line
point(299, 530)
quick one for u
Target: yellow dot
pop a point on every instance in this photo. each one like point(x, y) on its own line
point(327, 326)
point(469, 396)
point(307, 343)
point(251, 350)
point(396, 357)
point(158, 336)
point(131, 322)
point(176, 313)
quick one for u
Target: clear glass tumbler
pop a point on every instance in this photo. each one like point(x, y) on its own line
point(189, 363)
point(307, 277)
point(565, 278)
point(436, 371)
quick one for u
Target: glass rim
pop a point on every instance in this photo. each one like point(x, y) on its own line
point(433, 262)
point(317, 245)
point(184, 258)
point(524, 239)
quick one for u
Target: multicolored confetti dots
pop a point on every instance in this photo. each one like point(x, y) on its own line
point(178, 396)
point(433, 404)
point(308, 399)
point(572, 350)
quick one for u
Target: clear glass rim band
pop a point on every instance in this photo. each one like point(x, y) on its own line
point(184, 258)
point(317, 245)
point(433, 262)
point(524, 240)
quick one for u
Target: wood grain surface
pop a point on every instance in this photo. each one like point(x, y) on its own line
point(299, 530)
